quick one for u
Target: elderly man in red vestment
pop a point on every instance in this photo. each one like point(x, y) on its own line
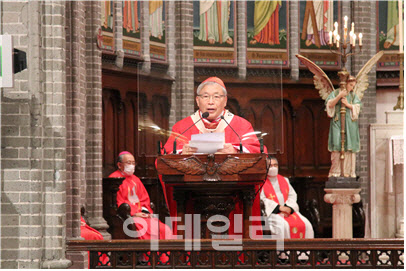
point(212, 98)
point(133, 192)
point(281, 207)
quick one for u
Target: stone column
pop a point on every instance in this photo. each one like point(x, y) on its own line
point(145, 31)
point(342, 200)
point(93, 146)
point(118, 33)
point(399, 200)
point(182, 96)
point(241, 39)
point(75, 124)
point(294, 32)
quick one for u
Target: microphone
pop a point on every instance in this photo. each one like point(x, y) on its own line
point(261, 146)
point(160, 148)
point(222, 117)
point(204, 115)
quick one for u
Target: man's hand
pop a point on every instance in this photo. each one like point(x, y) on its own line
point(285, 211)
point(188, 150)
point(228, 148)
point(144, 215)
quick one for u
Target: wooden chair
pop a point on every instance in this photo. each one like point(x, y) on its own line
point(116, 215)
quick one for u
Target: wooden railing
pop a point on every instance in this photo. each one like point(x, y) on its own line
point(289, 253)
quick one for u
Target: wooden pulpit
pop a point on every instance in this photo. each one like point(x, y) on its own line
point(211, 184)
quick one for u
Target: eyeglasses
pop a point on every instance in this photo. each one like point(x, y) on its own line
point(206, 97)
point(129, 163)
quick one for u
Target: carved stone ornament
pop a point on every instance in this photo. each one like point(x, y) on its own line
point(211, 170)
point(342, 198)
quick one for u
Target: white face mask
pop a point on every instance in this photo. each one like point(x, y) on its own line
point(129, 170)
point(273, 171)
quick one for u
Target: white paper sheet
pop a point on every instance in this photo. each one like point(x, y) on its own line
point(207, 142)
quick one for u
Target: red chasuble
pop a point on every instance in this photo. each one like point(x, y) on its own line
point(296, 224)
point(88, 233)
point(133, 192)
point(250, 144)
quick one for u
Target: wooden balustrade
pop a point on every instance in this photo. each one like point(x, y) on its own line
point(245, 253)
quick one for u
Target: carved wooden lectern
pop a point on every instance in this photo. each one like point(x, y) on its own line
point(213, 183)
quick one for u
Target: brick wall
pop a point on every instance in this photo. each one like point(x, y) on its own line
point(241, 40)
point(33, 140)
point(293, 34)
point(170, 30)
point(75, 100)
point(365, 21)
point(93, 202)
point(182, 98)
point(145, 30)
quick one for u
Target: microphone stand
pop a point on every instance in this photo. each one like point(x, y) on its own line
point(266, 177)
point(204, 115)
point(222, 117)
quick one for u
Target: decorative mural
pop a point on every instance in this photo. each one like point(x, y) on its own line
point(214, 32)
point(131, 28)
point(316, 20)
point(389, 36)
point(157, 30)
point(267, 33)
point(105, 37)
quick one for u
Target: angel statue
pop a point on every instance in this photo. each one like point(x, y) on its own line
point(343, 144)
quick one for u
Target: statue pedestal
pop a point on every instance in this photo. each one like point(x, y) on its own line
point(342, 200)
point(342, 182)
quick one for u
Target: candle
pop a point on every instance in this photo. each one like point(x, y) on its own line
point(345, 21)
point(345, 34)
point(360, 39)
point(336, 26)
point(335, 35)
point(354, 38)
point(352, 27)
point(330, 34)
point(351, 36)
point(338, 41)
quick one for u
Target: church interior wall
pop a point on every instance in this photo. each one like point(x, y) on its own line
point(385, 101)
point(53, 146)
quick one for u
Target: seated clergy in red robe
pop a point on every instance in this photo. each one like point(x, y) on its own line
point(212, 98)
point(88, 233)
point(133, 192)
point(281, 207)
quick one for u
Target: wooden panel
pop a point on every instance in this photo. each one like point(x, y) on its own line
point(110, 114)
point(304, 126)
point(124, 108)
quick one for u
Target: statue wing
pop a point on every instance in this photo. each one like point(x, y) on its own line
point(234, 165)
point(189, 166)
point(320, 79)
point(362, 76)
